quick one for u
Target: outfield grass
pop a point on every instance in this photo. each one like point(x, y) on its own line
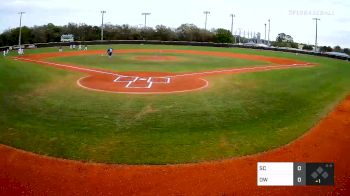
point(44, 111)
point(185, 63)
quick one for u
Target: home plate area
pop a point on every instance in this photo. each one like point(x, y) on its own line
point(141, 82)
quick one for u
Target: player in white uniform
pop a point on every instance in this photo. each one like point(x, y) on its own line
point(20, 51)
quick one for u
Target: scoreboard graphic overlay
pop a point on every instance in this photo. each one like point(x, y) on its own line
point(295, 174)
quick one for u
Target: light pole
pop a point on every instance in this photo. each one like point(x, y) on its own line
point(316, 19)
point(269, 32)
point(239, 38)
point(265, 33)
point(206, 18)
point(20, 29)
point(102, 26)
point(232, 16)
point(235, 35)
point(244, 37)
point(146, 14)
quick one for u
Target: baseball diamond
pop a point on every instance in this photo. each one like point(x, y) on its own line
point(174, 98)
point(146, 83)
point(155, 119)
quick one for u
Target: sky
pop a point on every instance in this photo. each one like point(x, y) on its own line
point(294, 18)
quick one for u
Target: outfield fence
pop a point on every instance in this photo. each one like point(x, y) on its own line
point(179, 43)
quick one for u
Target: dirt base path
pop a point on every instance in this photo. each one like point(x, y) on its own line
point(27, 173)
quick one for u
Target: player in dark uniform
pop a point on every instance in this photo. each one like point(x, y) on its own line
point(110, 52)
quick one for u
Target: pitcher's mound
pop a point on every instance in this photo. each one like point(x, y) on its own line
point(158, 58)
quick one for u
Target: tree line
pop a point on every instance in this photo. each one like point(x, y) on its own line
point(185, 32)
point(284, 40)
point(84, 32)
point(328, 49)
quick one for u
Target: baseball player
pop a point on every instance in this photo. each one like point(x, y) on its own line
point(20, 51)
point(110, 52)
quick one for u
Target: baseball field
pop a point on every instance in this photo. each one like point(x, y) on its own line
point(170, 105)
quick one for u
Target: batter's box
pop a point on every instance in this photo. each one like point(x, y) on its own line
point(141, 82)
point(164, 80)
point(125, 79)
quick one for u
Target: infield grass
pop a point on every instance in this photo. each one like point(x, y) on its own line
point(184, 62)
point(44, 111)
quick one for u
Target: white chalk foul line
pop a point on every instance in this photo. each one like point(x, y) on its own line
point(178, 75)
point(263, 68)
point(168, 78)
point(68, 66)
